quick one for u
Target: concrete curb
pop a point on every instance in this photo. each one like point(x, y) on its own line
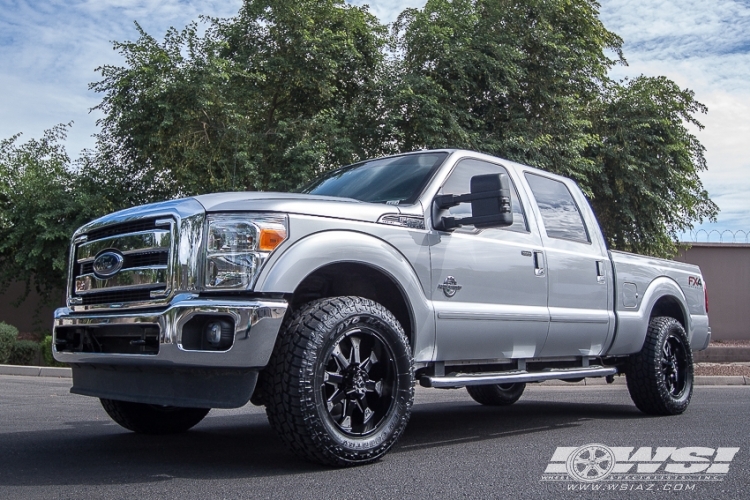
point(722, 354)
point(54, 372)
point(699, 380)
point(36, 371)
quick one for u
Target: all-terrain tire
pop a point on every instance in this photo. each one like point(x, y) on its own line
point(496, 394)
point(660, 376)
point(153, 419)
point(342, 382)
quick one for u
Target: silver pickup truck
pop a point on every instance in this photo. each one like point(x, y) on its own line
point(447, 267)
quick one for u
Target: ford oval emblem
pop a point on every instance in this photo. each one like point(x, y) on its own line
point(107, 264)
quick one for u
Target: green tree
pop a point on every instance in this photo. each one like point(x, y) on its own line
point(39, 210)
point(646, 190)
point(45, 197)
point(508, 77)
point(260, 101)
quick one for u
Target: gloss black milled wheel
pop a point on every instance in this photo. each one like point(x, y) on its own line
point(340, 383)
point(660, 377)
point(358, 380)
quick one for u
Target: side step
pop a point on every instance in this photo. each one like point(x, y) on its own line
point(511, 377)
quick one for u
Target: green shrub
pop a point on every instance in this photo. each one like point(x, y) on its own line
point(24, 353)
point(8, 335)
point(49, 359)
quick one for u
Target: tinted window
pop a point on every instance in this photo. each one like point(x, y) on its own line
point(561, 216)
point(459, 183)
point(395, 180)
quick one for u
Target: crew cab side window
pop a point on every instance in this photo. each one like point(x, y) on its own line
point(560, 213)
point(459, 183)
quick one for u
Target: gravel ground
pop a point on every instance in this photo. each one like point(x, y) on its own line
point(723, 369)
point(730, 343)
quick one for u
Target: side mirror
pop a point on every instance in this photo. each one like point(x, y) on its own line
point(490, 204)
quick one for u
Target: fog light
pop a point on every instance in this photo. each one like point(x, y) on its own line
point(219, 334)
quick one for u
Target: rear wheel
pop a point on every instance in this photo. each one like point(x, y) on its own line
point(341, 382)
point(153, 419)
point(660, 377)
point(496, 394)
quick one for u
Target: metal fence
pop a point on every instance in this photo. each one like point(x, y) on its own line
point(716, 236)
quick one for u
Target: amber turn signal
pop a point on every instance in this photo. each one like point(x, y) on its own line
point(270, 238)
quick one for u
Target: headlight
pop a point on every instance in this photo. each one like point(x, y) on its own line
point(237, 245)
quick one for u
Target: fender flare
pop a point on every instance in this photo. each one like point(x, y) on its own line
point(632, 325)
point(318, 250)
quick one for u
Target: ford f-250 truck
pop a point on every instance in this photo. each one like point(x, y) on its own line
point(451, 268)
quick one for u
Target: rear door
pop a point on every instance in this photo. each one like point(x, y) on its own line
point(578, 267)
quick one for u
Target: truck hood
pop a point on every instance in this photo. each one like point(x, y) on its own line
point(322, 206)
point(303, 204)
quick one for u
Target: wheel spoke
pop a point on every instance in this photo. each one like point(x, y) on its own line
point(335, 399)
point(346, 416)
point(354, 357)
point(371, 360)
point(586, 470)
point(340, 358)
point(333, 378)
point(368, 413)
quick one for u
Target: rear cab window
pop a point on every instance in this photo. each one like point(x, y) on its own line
point(560, 213)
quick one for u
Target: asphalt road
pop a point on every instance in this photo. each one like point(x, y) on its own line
point(57, 445)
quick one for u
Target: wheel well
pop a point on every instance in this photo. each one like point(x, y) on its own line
point(669, 306)
point(349, 278)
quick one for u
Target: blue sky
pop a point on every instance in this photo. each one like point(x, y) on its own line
point(49, 50)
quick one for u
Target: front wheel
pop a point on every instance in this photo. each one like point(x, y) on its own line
point(660, 377)
point(153, 419)
point(341, 382)
point(496, 394)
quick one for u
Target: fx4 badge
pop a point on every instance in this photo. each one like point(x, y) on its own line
point(450, 286)
point(694, 281)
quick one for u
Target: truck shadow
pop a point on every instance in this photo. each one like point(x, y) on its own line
point(244, 445)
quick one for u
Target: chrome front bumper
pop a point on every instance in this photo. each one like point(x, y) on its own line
point(257, 324)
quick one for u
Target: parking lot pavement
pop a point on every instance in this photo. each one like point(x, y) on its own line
point(57, 445)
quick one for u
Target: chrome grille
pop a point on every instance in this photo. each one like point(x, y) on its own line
point(142, 249)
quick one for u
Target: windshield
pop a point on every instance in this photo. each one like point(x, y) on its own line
point(395, 180)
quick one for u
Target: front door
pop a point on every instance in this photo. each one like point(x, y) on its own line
point(489, 285)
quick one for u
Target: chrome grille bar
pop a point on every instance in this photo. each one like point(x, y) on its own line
point(145, 249)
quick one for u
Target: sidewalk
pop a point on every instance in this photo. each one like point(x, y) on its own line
point(705, 374)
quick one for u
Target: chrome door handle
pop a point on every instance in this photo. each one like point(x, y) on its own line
point(539, 268)
point(601, 272)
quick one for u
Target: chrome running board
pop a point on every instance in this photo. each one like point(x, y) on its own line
point(511, 377)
